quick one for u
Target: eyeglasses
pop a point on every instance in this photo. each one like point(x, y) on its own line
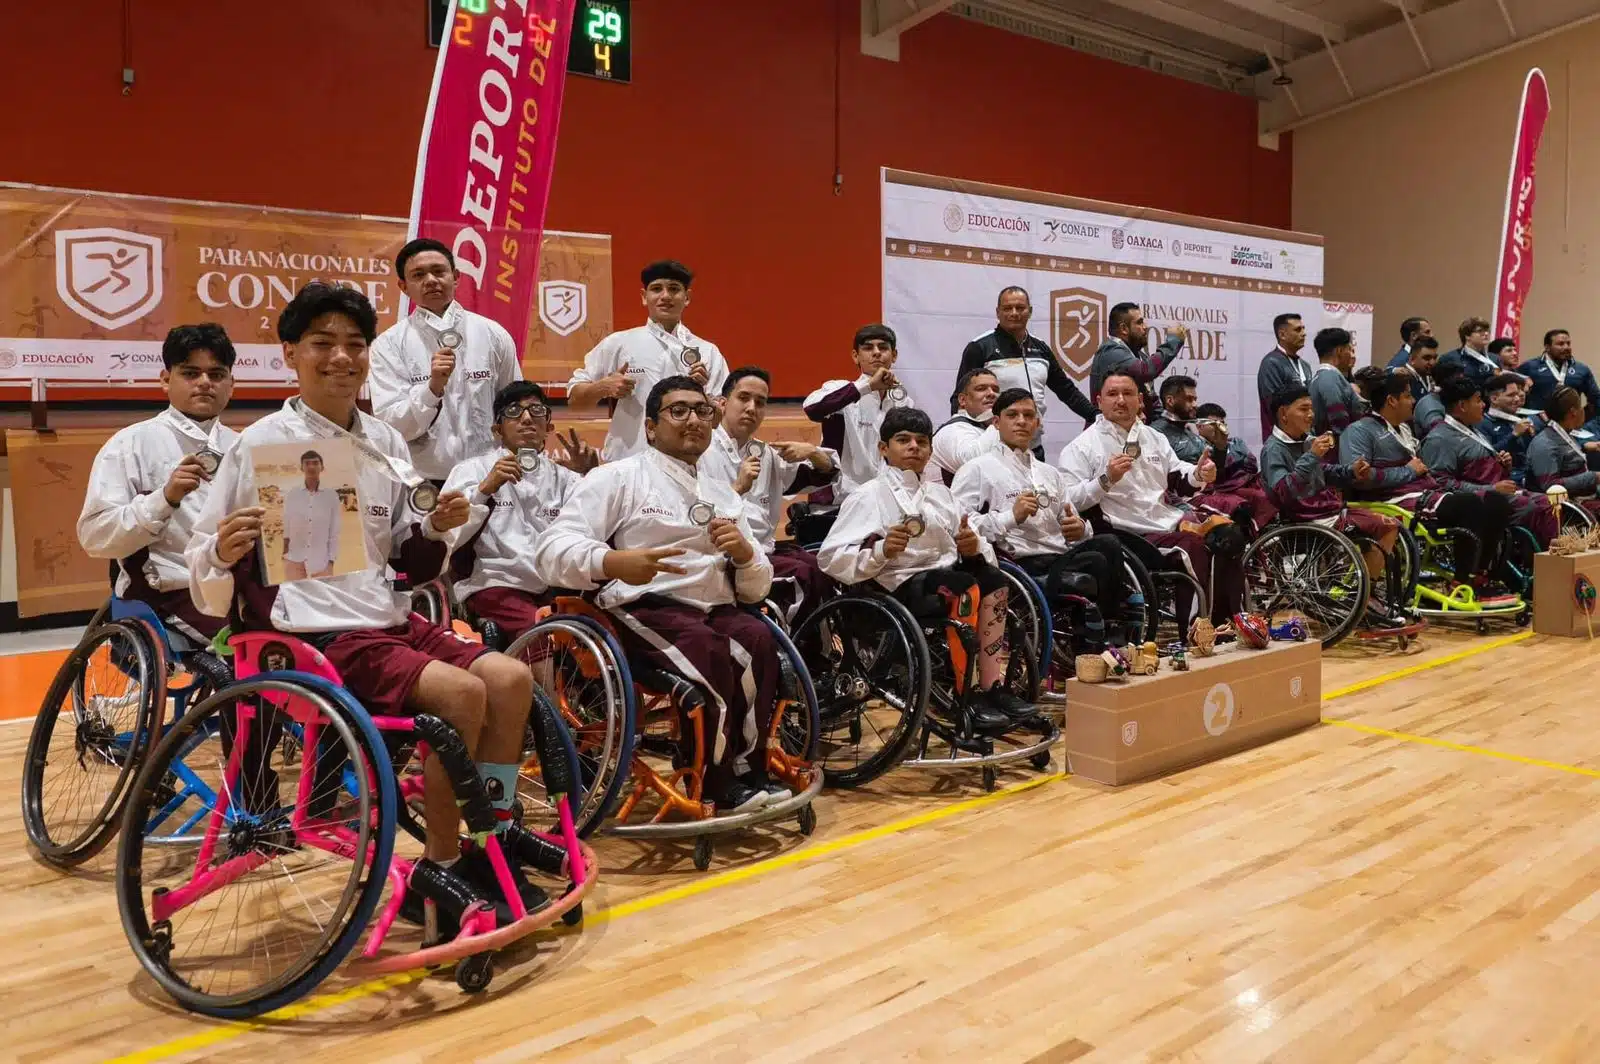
point(515, 411)
point(681, 411)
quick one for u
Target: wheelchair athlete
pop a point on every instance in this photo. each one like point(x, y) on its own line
point(150, 481)
point(915, 540)
point(510, 506)
point(1403, 479)
point(668, 546)
point(1556, 457)
point(1309, 488)
point(395, 663)
point(1462, 460)
point(1021, 505)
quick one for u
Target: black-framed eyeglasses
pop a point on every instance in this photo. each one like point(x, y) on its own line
point(515, 411)
point(680, 411)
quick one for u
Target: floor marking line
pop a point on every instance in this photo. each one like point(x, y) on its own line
point(322, 1002)
point(1465, 748)
point(1412, 670)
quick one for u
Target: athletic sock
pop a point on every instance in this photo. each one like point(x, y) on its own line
point(500, 783)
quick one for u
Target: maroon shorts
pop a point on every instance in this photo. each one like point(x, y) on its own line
point(512, 609)
point(1366, 523)
point(380, 666)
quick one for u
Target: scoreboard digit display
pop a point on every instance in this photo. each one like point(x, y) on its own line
point(602, 40)
point(602, 34)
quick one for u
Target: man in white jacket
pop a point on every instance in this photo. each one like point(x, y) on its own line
point(1024, 507)
point(435, 373)
point(914, 539)
point(971, 431)
point(669, 548)
point(1124, 466)
point(392, 661)
point(310, 524)
point(151, 480)
point(763, 474)
point(625, 366)
point(515, 492)
point(850, 412)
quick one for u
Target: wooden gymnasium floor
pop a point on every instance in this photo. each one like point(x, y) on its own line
point(1414, 880)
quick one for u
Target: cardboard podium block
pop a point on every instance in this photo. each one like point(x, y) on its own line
point(1555, 609)
point(1121, 731)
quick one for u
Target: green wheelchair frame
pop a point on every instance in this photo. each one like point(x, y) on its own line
point(1432, 555)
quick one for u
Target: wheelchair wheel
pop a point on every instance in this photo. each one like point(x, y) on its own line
point(1027, 604)
point(579, 666)
point(800, 729)
point(100, 716)
point(1312, 570)
point(1575, 520)
point(431, 603)
point(1172, 624)
point(296, 845)
point(1142, 615)
point(1022, 670)
point(1516, 559)
point(869, 664)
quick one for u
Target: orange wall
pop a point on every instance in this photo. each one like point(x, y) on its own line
point(720, 153)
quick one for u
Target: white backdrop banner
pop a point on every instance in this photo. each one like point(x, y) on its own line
point(950, 246)
point(1355, 319)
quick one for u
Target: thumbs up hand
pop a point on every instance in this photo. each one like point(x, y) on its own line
point(967, 543)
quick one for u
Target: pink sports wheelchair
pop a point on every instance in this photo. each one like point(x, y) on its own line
point(295, 840)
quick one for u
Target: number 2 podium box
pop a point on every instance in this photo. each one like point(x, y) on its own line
point(1126, 730)
point(1555, 606)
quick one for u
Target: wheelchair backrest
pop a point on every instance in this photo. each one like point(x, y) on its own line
point(122, 609)
point(255, 652)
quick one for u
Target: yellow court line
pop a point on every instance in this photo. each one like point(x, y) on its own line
point(1446, 744)
point(1412, 670)
point(321, 1002)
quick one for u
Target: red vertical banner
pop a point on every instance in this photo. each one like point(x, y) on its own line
point(1516, 238)
point(489, 145)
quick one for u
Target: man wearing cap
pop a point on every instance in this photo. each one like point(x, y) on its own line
point(435, 372)
point(624, 366)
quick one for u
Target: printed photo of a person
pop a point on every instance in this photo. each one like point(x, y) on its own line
point(310, 524)
point(311, 521)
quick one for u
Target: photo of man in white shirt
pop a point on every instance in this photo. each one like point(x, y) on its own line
point(310, 524)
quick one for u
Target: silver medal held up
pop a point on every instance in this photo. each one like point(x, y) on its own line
point(424, 497)
point(450, 340)
point(914, 524)
point(527, 460)
point(702, 513)
point(209, 461)
point(690, 357)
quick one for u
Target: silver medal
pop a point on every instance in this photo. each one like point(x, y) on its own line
point(449, 339)
point(424, 498)
point(915, 525)
point(1044, 499)
point(690, 357)
point(702, 512)
point(527, 459)
point(208, 460)
point(753, 449)
point(898, 393)
point(1131, 448)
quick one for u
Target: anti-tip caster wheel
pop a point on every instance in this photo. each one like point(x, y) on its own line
point(474, 973)
point(1483, 626)
point(988, 778)
point(702, 853)
point(807, 818)
point(1040, 761)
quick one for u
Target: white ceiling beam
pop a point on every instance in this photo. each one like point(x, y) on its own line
point(1206, 26)
point(1505, 13)
point(1416, 38)
point(1288, 16)
point(894, 17)
point(1334, 55)
point(1115, 36)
